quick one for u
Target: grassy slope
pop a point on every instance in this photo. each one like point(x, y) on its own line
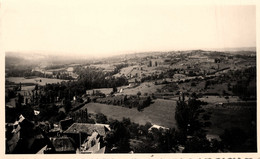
point(161, 112)
point(145, 87)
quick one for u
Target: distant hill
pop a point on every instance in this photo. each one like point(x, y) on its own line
point(14, 61)
point(236, 49)
point(25, 58)
point(16, 58)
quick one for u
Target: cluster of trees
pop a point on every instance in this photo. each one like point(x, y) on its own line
point(126, 136)
point(77, 88)
point(81, 116)
point(142, 102)
point(115, 100)
point(43, 101)
point(171, 72)
point(26, 72)
point(30, 73)
point(49, 112)
point(127, 101)
point(117, 69)
point(94, 78)
point(244, 82)
point(62, 75)
point(47, 95)
point(167, 74)
point(210, 82)
point(245, 88)
point(101, 118)
point(117, 140)
point(187, 115)
point(9, 94)
point(55, 67)
point(190, 125)
point(171, 87)
point(124, 133)
point(18, 71)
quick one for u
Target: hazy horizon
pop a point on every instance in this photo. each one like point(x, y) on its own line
point(94, 29)
point(76, 56)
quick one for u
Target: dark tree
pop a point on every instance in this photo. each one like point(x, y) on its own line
point(101, 118)
point(138, 93)
point(67, 105)
point(186, 115)
point(118, 137)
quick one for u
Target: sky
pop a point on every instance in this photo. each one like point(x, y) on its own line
point(102, 28)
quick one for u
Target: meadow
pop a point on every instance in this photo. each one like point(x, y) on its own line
point(35, 80)
point(161, 112)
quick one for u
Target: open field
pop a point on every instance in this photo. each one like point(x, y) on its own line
point(145, 87)
point(161, 112)
point(125, 71)
point(216, 99)
point(33, 80)
point(27, 88)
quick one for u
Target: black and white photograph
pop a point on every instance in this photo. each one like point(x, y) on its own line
point(128, 77)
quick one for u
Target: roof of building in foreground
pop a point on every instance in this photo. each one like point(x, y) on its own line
point(87, 128)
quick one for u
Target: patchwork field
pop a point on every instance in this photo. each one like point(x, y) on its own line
point(33, 80)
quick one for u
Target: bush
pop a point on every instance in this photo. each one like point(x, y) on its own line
point(101, 118)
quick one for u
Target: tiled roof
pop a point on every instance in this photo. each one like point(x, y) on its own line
point(77, 128)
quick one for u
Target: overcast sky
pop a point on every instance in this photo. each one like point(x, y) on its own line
point(100, 28)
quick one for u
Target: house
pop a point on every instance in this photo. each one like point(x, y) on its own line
point(87, 128)
point(81, 131)
point(62, 145)
point(211, 137)
point(157, 127)
point(26, 138)
point(120, 90)
point(91, 144)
